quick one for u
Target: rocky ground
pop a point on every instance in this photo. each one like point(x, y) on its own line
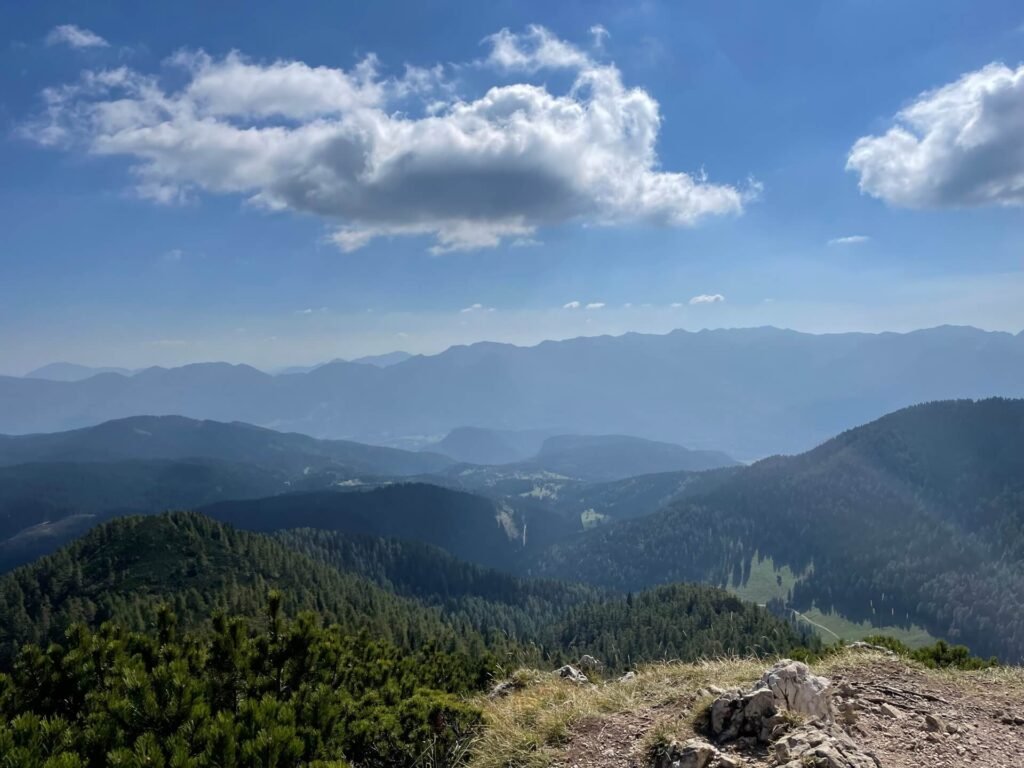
point(857, 710)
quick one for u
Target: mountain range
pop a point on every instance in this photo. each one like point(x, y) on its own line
point(55, 486)
point(748, 392)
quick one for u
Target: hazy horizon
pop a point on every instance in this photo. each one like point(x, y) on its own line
point(309, 363)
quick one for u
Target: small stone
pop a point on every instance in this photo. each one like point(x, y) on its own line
point(890, 711)
point(569, 672)
point(695, 753)
point(934, 723)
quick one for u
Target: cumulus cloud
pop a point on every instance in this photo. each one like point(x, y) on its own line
point(849, 240)
point(572, 305)
point(595, 305)
point(599, 34)
point(76, 37)
point(959, 145)
point(707, 298)
point(392, 156)
point(473, 308)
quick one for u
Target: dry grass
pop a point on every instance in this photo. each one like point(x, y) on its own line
point(1008, 678)
point(530, 727)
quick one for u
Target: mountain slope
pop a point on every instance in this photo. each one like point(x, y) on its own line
point(127, 568)
point(675, 621)
point(43, 505)
point(749, 392)
point(467, 526)
point(614, 457)
point(177, 437)
point(915, 518)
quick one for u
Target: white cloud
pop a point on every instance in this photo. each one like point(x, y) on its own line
point(849, 240)
point(378, 156)
point(173, 256)
point(475, 308)
point(599, 34)
point(76, 37)
point(534, 50)
point(959, 145)
point(677, 305)
point(310, 311)
point(595, 305)
point(572, 305)
point(708, 298)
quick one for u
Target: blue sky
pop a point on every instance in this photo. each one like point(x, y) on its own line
point(286, 183)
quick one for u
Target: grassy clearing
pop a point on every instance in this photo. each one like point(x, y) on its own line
point(848, 630)
point(765, 582)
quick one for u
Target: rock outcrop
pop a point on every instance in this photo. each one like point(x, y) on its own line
point(769, 713)
point(736, 715)
point(797, 690)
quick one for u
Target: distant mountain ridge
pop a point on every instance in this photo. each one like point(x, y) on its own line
point(178, 437)
point(480, 445)
point(381, 361)
point(72, 372)
point(616, 457)
point(581, 457)
point(749, 392)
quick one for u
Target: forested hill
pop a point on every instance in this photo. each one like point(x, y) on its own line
point(467, 526)
point(126, 569)
point(915, 518)
point(177, 437)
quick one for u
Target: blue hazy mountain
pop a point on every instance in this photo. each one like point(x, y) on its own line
point(72, 372)
point(747, 392)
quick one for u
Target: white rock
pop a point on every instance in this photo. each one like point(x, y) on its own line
point(797, 690)
point(569, 672)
